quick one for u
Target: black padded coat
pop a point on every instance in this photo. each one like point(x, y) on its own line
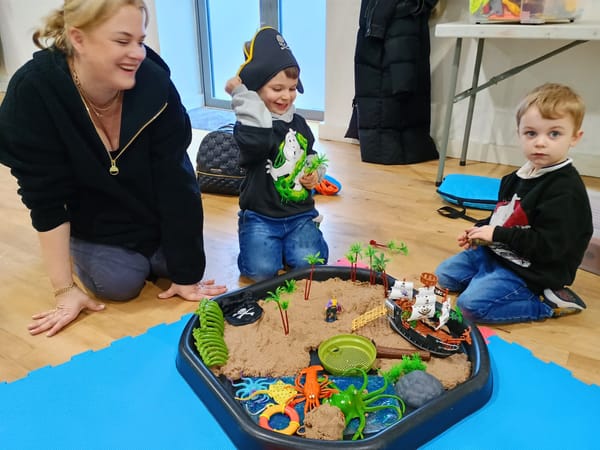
point(392, 104)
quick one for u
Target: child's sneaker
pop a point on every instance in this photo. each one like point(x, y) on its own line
point(563, 301)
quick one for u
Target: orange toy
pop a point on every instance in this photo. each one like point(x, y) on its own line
point(312, 390)
point(289, 411)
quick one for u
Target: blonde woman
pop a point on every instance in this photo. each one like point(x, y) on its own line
point(96, 135)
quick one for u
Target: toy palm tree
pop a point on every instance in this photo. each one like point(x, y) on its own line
point(352, 260)
point(370, 253)
point(282, 305)
point(312, 260)
point(317, 161)
point(353, 255)
point(379, 264)
point(289, 287)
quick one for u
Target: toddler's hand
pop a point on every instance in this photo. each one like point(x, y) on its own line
point(310, 181)
point(232, 83)
point(479, 235)
point(463, 240)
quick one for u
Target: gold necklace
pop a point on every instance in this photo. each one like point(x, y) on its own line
point(113, 169)
point(98, 110)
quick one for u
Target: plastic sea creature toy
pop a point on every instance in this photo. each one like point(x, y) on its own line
point(279, 391)
point(248, 386)
point(313, 389)
point(357, 403)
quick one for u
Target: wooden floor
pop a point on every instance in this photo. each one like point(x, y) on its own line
point(376, 202)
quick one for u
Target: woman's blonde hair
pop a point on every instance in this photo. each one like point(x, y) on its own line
point(554, 101)
point(82, 14)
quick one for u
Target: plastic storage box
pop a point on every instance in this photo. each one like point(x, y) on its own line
point(523, 11)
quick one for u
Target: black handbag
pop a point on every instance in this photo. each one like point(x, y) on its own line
point(218, 163)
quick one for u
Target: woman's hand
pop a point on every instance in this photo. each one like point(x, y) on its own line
point(194, 292)
point(68, 307)
point(310, 181)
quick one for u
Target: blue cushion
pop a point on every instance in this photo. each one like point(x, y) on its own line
point(470, 191)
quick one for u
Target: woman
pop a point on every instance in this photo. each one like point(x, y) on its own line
point(96, 135)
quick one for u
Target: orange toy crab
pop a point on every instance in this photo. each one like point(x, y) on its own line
point(313, 390)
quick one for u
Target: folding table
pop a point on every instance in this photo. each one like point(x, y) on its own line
point(577, 32)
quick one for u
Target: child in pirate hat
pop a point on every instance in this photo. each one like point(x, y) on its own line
point(278, 224)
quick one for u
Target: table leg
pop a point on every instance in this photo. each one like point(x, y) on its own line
point(472, 95)
point(449, 106)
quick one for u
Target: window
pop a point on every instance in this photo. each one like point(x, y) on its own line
point(224, 26)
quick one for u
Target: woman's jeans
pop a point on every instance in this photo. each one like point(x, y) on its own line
point(115, 273)
point(268, 244)
point(489, 292)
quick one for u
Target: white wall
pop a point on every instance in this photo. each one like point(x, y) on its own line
point(18, 21)
point(342, 24)
point(493, 134)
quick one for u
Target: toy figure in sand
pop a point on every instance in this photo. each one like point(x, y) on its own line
point(332, 309)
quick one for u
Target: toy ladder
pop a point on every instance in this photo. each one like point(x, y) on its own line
point(369, 316)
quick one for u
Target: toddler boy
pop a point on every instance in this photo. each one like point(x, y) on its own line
point(537, 235)
point(278, 225)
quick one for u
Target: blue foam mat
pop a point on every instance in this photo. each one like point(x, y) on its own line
point(534, 405)
point(130, 395)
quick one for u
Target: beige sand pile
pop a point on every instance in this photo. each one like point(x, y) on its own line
point(261, 349)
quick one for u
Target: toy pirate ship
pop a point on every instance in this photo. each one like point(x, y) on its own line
point(423, 321)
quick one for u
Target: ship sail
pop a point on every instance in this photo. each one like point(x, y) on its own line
point(424, 306)
point(445, 314)
point(401, 289)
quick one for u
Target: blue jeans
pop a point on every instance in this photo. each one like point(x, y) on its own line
point(268, 244)
point(489, 292)
point(114, 273)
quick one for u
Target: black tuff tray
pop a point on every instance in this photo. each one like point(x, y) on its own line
point(414, 429)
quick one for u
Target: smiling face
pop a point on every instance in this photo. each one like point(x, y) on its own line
point(108, 56)
point(546, 142)
point(279, 93)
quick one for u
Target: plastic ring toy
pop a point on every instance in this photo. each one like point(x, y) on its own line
point(328, 186)
point(294, 424)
